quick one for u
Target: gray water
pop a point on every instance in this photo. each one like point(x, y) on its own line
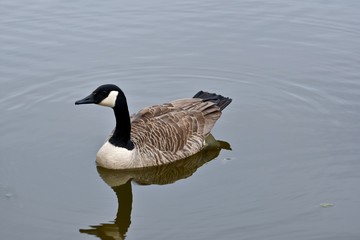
point(291, 67)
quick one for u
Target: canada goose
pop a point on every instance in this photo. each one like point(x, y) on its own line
point(156, 135)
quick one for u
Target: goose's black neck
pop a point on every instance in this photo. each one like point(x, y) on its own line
point(121, 135)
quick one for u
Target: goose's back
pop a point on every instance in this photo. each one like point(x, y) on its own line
point(171, 131)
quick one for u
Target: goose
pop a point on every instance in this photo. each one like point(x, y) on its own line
point(158, 134)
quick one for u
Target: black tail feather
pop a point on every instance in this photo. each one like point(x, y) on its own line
point(221, 101)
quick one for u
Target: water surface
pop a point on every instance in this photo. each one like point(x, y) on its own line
point(292, 69)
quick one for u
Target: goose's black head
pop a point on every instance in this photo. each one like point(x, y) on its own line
point(105, 95)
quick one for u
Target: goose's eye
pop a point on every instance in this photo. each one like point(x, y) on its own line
point(102, 93)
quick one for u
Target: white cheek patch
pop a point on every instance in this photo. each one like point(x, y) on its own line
point(110, 100)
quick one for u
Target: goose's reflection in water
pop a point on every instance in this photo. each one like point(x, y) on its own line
point(120, 182)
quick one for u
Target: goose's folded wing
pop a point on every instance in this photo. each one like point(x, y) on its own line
point(169, 128)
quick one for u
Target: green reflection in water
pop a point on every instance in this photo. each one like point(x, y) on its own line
point(120, 182)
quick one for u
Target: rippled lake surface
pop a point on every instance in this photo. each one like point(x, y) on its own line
point(291, 68)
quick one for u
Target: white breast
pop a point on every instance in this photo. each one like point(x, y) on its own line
point(112, 157)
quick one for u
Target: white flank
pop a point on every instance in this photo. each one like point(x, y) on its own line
point(110, 100)
point(112, 157)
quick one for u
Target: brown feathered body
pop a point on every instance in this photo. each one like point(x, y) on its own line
point(165, 133)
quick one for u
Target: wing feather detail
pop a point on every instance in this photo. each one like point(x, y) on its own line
point(174, 130)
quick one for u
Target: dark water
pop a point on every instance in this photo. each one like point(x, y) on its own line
point(291, 67)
